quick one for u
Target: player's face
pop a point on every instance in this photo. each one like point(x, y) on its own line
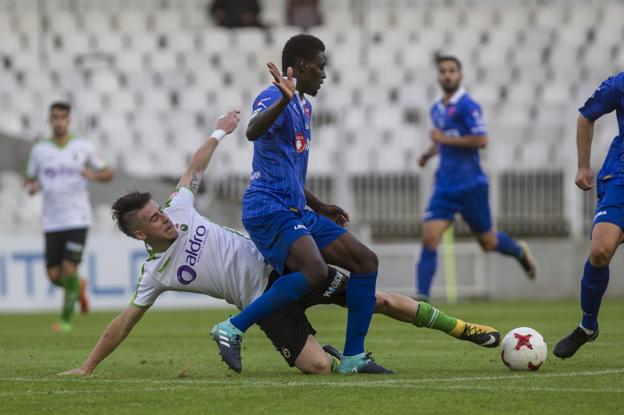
point(154, 224)
point(449, 76)
point(59, 121)
point(313, 74)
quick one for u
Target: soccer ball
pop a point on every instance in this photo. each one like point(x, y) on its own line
point(523, 349)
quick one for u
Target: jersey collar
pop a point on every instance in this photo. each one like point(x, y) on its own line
point(459, 94)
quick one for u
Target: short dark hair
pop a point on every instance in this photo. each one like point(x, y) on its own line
point(446, 58)
point(300, 46)
point(125, 209)
point(60, 105)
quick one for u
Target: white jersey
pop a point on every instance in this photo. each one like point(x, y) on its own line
point(66, 203)
point(205, 258)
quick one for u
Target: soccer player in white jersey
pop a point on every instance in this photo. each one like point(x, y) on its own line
point(61, 167)
point(190, 253)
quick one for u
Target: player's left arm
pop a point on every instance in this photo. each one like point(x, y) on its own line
point(113, 335)
point(200, 160)
point(333, 212)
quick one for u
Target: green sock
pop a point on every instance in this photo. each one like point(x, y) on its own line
point(431, 317)
point(71, 283)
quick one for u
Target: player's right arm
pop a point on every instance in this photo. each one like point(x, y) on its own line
point(200, 160)
point(424, 157)
point(264, 116)
point(584, 136)
point(30, 176)
point(113, 335)
point(604, 100)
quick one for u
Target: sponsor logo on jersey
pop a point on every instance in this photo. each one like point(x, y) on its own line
point(61, 171)
point(300, 226)
point(601, 213)
point(301, 144)
point(186, 273)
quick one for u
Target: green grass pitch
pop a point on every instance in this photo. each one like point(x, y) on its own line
point(169, 365)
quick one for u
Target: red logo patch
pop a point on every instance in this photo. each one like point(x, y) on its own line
point(301, 144)
point(523, 341)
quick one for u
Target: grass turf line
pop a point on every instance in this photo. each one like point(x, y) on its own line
point(437, 374)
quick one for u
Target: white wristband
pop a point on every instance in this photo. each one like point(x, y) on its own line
point(218, 134)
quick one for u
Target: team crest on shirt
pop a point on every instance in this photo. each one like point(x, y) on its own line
point(452, 111)
point(301, 144)
point(307, 111)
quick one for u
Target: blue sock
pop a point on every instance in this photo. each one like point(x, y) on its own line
point(425, 270)
point(507, 246)
point(360, 305)
point(285, 290)
point(593, 286)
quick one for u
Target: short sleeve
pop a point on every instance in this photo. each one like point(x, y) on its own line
point(181, 197)
point(147, 290)
point(263, 101)
point(474, 119)
point(603, 100)
point(32, 166)
point(94, 161)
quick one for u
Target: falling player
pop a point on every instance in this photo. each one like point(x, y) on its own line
point(460, 184)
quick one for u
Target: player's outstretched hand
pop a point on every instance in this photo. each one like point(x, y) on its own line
point(75, 372)
point(287, 85)
point(228, 121)
point(585, 178)
point(424, 158)
point(335, 213)
point(88, 174)
point(32, 188)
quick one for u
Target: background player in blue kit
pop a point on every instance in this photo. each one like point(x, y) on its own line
point(606, 234)
point(460, 184)
point(297, 242)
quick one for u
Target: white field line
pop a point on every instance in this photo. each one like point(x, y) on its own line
point(345, 382)
point(185, 388)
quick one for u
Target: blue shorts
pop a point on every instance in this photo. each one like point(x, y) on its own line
point(610, 206)
point(472, 203)
point(275, 233)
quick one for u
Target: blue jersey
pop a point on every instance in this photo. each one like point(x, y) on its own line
point(280, 160)
point(608, 97)
point(459, 168)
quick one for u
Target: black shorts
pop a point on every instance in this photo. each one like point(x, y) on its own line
point(64, 245)
point(289, 328)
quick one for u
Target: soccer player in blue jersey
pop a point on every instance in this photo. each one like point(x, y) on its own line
point(298, 242)
point(606, 234)
point(460, 184)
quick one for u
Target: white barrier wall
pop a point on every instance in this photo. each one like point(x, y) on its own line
point(111, 264)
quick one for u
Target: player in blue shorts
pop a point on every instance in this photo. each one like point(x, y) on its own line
point(297, 242)
point(460, 184)
point(606, 234)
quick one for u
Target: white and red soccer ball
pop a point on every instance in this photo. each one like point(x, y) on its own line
point(523, 349)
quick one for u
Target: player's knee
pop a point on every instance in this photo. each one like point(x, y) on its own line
point(488, 244)
point(320, 366)
point(54, 274)
point(316, 273)
point(430, 241)
point(382, 301)
point(369, 262)
point(600, 255)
